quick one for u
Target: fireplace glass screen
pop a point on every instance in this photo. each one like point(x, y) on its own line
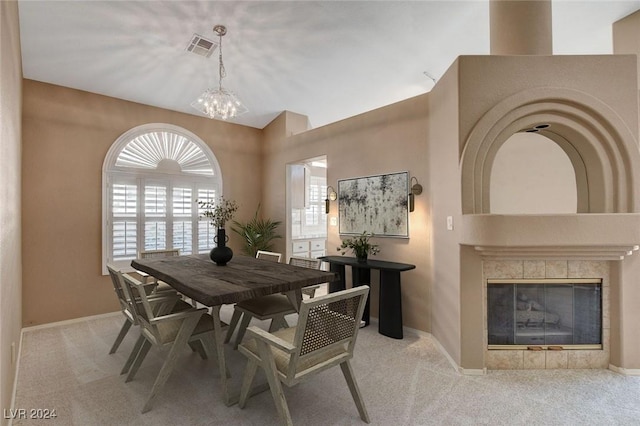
point(544, 313)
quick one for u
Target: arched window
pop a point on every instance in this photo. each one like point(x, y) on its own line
point(152, 176)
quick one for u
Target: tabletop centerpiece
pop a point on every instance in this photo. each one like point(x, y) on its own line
point(360, 246)
point(219, 213)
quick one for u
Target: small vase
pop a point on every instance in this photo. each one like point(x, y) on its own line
point(362, 258)
point(221, 254)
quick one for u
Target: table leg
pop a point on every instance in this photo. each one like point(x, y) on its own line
point(227, 398)
point(390, 322)
point(295, 297)
point(362, 276)
point(340, 283)
point(217, 330)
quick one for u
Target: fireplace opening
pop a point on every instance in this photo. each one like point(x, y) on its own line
point(544, 314)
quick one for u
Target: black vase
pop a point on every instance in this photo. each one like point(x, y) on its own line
point(221, 254)
point(362, 257)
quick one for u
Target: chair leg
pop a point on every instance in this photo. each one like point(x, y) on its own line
point(187, 327)
point(123, 332)
point(347, 371)
point(277, 323)
point(209, 345)
point(270, 370)
point(196, 346)
point(144, 350)
point(232, 325)
point(246, 319)
point(134, 354)
point(249, 374)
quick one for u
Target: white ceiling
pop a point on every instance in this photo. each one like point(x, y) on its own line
point(328, 60)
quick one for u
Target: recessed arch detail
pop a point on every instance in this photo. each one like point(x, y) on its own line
point(598, 143)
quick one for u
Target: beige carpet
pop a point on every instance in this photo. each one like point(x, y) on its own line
point(404, 382)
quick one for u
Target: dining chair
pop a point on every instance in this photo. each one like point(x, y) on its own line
point(272, 307)
point(324, 337)
point(126, 304)
point(268, 255)
point(162, 328)
point(159, 254)
point(154, 254)
point(307, 262)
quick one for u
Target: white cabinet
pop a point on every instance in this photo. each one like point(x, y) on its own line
point(318, 245)
point(301, 247)
point(309, 248)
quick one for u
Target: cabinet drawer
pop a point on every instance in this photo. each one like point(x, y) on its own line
point(299, 246)
point(317, 245)
point(317, 254)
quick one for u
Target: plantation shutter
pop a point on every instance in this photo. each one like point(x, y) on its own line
point(206, 231)
point(182, 220)
point(155, 216)
point(124, 229)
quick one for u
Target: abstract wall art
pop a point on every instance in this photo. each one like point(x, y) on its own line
point(375, 204)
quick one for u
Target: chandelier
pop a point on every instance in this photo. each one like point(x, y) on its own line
point(219, 102)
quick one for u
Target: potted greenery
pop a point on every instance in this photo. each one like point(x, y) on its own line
point(257, 234)
point(360, 246)
point(219, 212)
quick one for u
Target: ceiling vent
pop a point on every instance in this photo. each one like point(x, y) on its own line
point(201, 46)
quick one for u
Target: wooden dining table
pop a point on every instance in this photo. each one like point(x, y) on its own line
point(244, 277)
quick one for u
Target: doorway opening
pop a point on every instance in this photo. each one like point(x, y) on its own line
point(307, 221)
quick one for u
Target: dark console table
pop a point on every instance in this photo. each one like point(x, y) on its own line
point(390, 308)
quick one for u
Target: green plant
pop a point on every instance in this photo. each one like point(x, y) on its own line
point(257, 234)
point(219, 212)
point(360, 246)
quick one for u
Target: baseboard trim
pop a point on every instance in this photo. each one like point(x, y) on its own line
point(456, 367)
point(70, 321)
point(444, 352)
point(40, 327)
point(417, 332)
point(625, 371)
point(15, 377)
point(473, 371)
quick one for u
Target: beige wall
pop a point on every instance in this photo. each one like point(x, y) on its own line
point(626, 37)
point(520, 27)
point(68, 132)
point(532, 174)
point(66, 135)
point(445, 201)
point(484, 80)
point(10, 196)
point(389, 139)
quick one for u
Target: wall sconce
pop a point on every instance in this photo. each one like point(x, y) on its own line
point(416, 189)
point(331, 196)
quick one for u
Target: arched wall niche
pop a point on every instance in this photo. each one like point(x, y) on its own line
point(532, 174)
point(600, 146)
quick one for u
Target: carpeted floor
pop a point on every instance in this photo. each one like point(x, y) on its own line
point(66, 368)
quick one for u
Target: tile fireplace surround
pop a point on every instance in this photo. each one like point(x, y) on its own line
point(549, 269)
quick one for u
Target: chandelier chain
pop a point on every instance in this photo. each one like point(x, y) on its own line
point(219, 103)
point(222, 73)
